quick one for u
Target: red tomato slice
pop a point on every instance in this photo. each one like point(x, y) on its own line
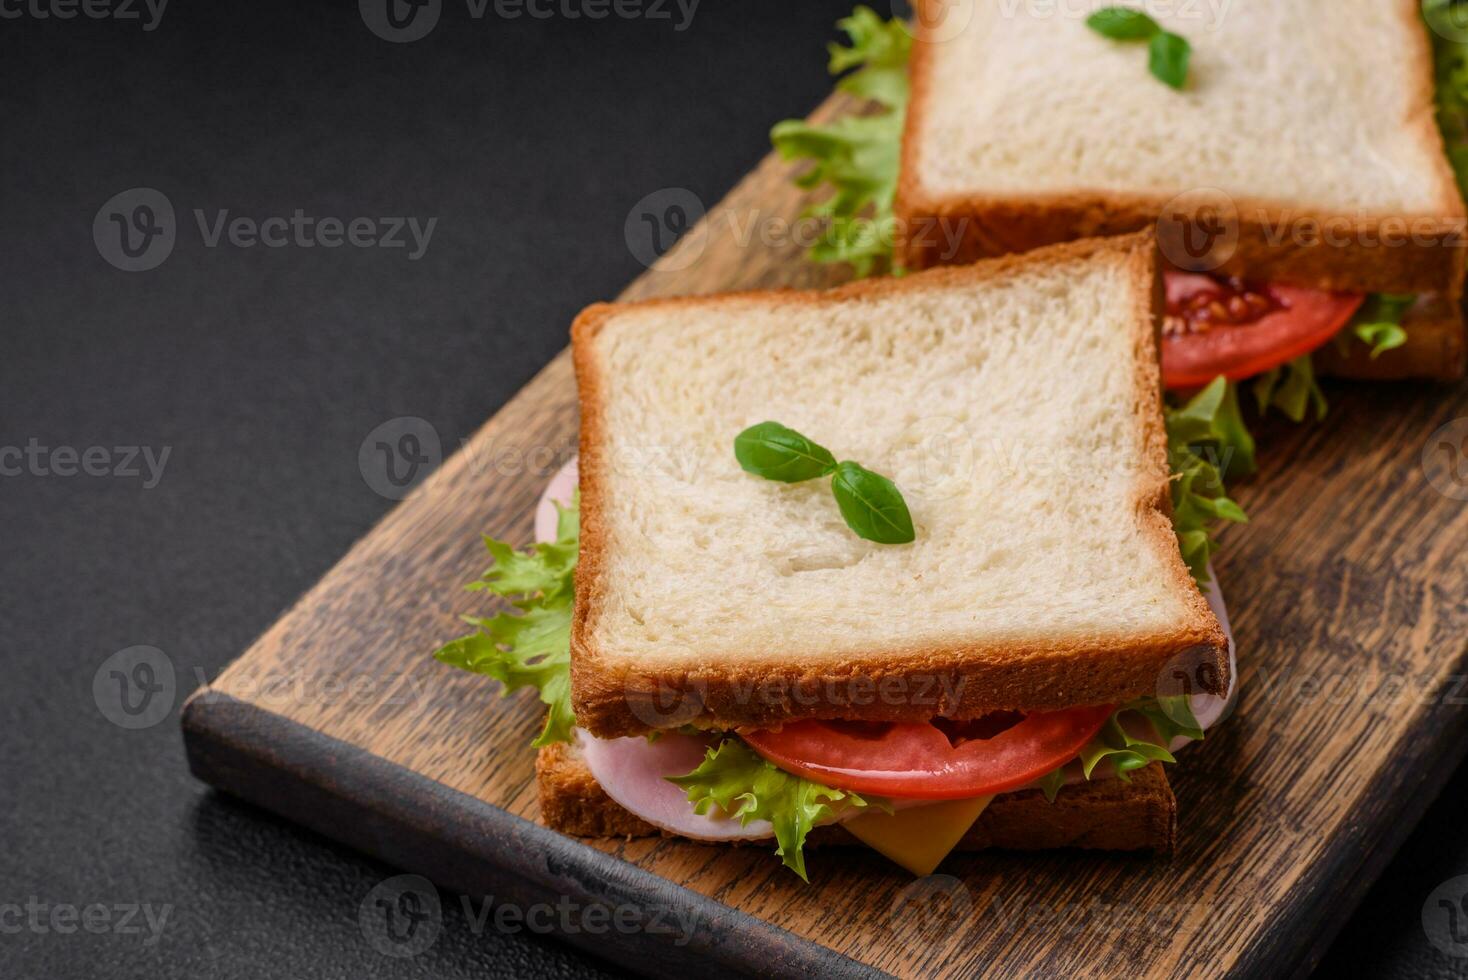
point(919, 761)
point(1227, 328)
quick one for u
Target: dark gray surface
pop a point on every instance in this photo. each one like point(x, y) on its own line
point(263, 369)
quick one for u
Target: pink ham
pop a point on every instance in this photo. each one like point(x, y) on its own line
point(559, 491)
point(633, 772)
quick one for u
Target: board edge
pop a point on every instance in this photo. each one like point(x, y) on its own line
point(472, 847)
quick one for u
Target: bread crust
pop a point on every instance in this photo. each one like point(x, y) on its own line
point(1107, 815)
point(1002, 223)
point(918, 682)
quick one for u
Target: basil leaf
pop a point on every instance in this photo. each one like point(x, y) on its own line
point(872, 505)
point(1168, 57)
point(1123, 24)
point(777, 453)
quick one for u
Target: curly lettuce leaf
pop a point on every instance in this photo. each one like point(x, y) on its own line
point(1378, 324)
point(1128, 751)
point(857, 157)
point(738, 781)
point(531, 648)
point(1292, 389)
point(878, 51)
point(1448, 20)
point(1206, 438)
point(1052, 784)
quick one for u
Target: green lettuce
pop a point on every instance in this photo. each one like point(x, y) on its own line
point(1448, 20)
point(530, 648)
point(1378, 324)
point(1292, 389)
point(1129, 752)
point(857, 157)
point(1168, 718)
point(1206, 439)
point(740, 782)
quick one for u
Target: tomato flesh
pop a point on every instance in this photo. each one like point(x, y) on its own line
point(1214, 327)
point(919, 760)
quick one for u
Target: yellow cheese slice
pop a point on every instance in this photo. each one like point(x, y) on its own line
point(920, 838)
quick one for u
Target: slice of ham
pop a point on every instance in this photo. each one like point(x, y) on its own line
point(634, 771)
point(560, 490)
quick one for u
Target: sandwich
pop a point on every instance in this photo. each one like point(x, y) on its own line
point(1301, 166)
point(918, 562)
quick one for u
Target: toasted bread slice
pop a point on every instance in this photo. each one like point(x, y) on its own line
point(1107, 815)
point(1017, 405)
point(1311, 140)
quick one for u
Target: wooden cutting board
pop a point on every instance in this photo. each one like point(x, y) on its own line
point(1348, 585)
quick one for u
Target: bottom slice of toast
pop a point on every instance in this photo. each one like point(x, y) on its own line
point(1107, 815)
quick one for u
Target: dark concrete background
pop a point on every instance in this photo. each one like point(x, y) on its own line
point(262, 369)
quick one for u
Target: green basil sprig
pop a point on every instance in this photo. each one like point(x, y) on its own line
point(774, 452)
point(1168, 54)
point(870, 503)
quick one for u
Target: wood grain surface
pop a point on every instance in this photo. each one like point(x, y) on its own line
point(1347, 592)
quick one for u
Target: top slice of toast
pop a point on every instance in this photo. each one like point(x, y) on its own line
point(1308, 128)
point(1016, 404)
